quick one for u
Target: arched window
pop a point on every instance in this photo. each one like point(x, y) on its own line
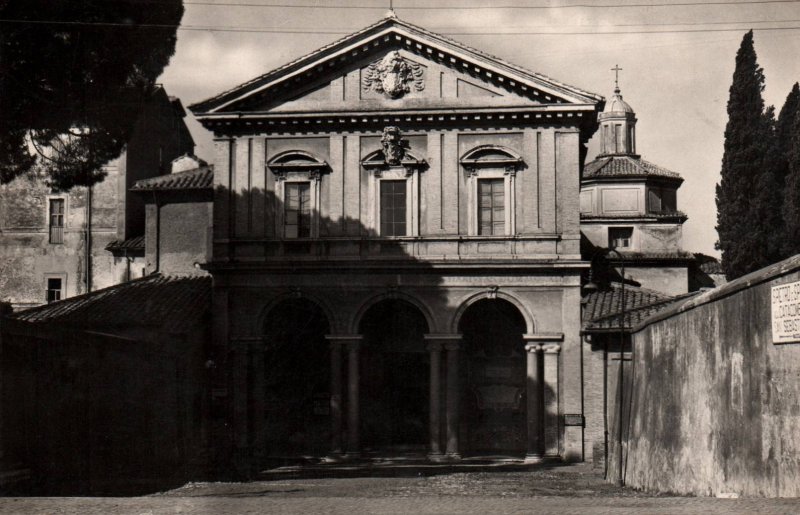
point(298, 175)
point(491, 199)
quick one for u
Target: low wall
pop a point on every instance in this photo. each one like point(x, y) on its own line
point(716, 404)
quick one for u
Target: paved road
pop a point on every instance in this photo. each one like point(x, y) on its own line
point(564, 491)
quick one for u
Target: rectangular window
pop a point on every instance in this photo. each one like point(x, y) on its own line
point(618, 138)
point(54, 292)
point(393, 208)
point(491, 207)
point(297, 210)
point(620, 237)
point(654, 199)
point(57, 220)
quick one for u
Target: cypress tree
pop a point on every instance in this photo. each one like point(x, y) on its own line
point(747, 209)
point(785, 130)
point(791, 204)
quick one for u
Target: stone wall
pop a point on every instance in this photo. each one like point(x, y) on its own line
point(715, 407)
point(98, 413)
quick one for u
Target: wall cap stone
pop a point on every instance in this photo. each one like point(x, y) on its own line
point(766, 274)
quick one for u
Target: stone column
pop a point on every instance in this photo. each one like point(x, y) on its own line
point(551, 429)
point(353, 398)
point(435, 404)
point(239, 372)
point(453, 398)
point(336, 396)
point(259, 403)
point(535, 413)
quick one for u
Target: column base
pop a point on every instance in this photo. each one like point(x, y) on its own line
point(452, 456)
point(436, 457)
point(334, 457)
point(351, 456)
point(533, 458)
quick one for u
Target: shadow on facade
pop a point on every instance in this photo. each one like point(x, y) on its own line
point(334, 344)
point(353, 347)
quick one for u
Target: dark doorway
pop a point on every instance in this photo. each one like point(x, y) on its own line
point(394, 378)
point(494, 416)
point(296, 380)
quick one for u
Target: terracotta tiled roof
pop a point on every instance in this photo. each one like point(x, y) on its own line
point(136, 244)
point(601, 309)
point(709, 264)
point(169, 302)
point(625, 166)
point(199, 178)
point(677, 255)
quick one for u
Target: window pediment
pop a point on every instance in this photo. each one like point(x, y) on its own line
point(494, 156)
point(297, 161)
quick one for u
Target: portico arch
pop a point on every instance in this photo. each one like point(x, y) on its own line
point(358, 316)
point(292, 382)
point(321, 303)
point(530, 321)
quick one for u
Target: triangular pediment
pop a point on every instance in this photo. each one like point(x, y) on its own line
point(393, 64)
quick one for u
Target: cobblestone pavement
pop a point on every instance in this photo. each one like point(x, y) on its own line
point(564, 490)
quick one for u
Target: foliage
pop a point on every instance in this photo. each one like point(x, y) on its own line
point(791, 205)
point(747, 207)
point(73, 75)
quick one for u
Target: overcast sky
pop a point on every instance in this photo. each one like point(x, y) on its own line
point(677, 62)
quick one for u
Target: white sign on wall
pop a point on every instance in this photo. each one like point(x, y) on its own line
point(786, 313)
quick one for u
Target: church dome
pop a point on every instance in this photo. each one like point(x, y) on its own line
point(617, 105)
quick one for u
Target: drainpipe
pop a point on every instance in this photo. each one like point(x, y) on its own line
point(88, 250)
point(158, 233)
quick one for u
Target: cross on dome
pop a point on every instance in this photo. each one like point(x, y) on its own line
point(616, 69)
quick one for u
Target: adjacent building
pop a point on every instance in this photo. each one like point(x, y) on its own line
point(631, 205)
point(55, 245)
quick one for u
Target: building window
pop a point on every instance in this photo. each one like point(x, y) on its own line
point(491, 202)
point(393, 208)
point(618, 142)
point(54, 289)
point(297, 210)
point(620, 237)
point(491, 207)
point(57, 220)
point(298, 176)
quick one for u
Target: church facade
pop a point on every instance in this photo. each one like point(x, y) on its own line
point(396, 255)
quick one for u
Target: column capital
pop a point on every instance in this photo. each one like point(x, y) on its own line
point(433, 346)
point(452, 345)
point(344, 339)
point(543, 337)
point(551, 348)
point(443, 337)
point(533, 347)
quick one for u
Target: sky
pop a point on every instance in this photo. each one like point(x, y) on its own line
point(677, 61)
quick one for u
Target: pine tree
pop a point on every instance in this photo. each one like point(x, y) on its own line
point(791, 205)
point(73, 77)
point(746, 205)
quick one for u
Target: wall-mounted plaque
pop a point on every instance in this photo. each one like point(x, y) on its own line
point(786, 313)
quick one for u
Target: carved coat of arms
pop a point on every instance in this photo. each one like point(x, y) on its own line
point(393, 76)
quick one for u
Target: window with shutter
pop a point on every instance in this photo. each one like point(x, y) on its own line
point(297, 210)
point(491, 207)
point(57, 220)
point(393, 208)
